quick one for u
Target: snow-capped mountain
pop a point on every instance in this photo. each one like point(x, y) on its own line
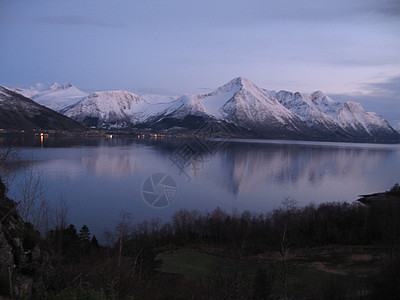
point(108, 109)
point(20, 113)
point(396, 125)
point(54, 96)
point(238, 102)
point(325, 115)
point(284, 114)
point(269, 114)
point(157, 99)
point(248, 106)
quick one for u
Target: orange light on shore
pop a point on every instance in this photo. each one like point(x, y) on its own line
point(41, 139)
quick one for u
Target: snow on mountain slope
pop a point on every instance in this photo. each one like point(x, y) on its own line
point(214, 101)
point(33, 90)
point(311, 108)
point(182, 107)
point(352, 116)
point(243, 103)
point(328, 106)
point(396, 125)
point(156, 99)
point(326, 115)
point(21, 113)
point(240, 102)
point(54, 96)
point(118, 108)
point(121, 109)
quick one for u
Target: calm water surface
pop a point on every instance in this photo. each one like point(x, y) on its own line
point(99, 178)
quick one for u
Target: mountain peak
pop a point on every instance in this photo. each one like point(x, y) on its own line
point(241, 81)
point(54, 86)
point(237, 84)
point(57, 86)
point(396, 125)
point(21, 113)
point(53, 95)
point(318, 94)
point(319, 98)
point(113, 94)
point(112, 98)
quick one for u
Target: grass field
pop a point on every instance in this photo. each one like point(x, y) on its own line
point(311, 273)
point(188, 263)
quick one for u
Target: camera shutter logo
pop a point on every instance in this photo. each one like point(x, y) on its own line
point(159, 190)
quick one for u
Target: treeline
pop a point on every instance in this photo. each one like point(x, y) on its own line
point(310, 226)
point(66, 263)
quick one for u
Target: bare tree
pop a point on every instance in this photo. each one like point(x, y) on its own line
point(123, 226)
point(135, 262)
point(60, 221)
point(108, 239)
point(4, 155)
point(289, 206)
point(33, 205)
point(5, 174)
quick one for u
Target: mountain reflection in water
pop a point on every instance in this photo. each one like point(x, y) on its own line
point(100, 178)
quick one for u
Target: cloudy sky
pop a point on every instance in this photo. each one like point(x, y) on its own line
point(349, 49)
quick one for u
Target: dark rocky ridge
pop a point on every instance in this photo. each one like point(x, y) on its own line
point(20, 113)
point(18, 263)
point(391, 196)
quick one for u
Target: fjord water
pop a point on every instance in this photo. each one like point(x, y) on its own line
point(99, 178)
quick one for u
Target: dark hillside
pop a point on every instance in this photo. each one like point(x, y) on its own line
point(20, 113)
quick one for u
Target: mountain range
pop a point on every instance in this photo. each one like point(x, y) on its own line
point(54, 96)
point(240, 103)
point(396, 125)
point(20, 113)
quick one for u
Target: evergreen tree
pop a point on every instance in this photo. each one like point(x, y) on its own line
point(94, 243)
point(70, 243)
point(84, 234)
point(3, 189)
point(84, 238)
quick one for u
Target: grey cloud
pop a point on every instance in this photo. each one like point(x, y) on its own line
point(389, 8)
point(385, 105)
point(323, 12)
point(383, 98)
point(389, 87)
point(155, 91)
point(362, 61)
point(79, 20)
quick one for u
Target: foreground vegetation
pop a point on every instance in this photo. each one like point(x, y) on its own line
point(330, 251)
